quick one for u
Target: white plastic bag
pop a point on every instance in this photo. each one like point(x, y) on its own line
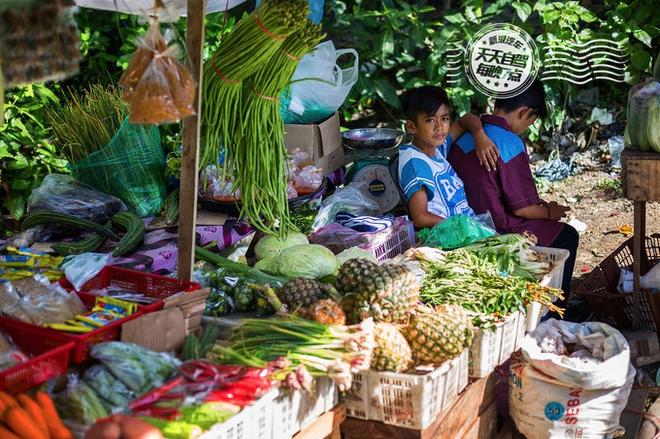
point(578, 394)
point(352, 198)
point(80, 268)
point(319, 85)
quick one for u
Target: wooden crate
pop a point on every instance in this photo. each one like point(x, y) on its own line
point(640, 174)
point(472, 416)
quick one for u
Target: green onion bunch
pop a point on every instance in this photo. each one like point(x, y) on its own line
point(295, 347)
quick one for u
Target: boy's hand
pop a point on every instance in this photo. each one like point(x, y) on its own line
point(557, 211)
point(486, 151)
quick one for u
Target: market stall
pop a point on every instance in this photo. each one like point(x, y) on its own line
point(319, 312)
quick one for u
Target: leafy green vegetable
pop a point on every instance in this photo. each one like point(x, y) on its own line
point(271, 245)
point(79, 402)
point(311, 261)
point(111, 390)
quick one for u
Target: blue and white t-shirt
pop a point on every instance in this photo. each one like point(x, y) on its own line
point(445, 192)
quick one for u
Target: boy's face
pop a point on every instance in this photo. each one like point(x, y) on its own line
point(430, 130)
point(520, 119)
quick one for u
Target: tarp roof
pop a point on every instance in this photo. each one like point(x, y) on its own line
point(144, 7)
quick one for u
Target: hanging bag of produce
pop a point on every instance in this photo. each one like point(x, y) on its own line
point(157, 86)
point(643, 127)
point(130, 167)
point(319, 85)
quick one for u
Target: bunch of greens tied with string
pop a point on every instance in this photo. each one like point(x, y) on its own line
point(238, 101)
point(463, 278)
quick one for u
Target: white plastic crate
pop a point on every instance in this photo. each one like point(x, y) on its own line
point(406, 400)
point(253, 422)
point(492, 347)
point(553, 279)
point(295, 410)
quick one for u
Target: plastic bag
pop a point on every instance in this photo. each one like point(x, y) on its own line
point(63, 193)
point(159, 88)
point(319, 85)
point(353, 198)
point(130, 167)
point(10, 355)
point(79, 402)
point(458, 231)
point(113, 393)
point(79, 269)
point(570, 394)
point(308, 180)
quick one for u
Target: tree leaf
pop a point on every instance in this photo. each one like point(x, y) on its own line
point(640, 58)
point(455, 18)
point(387, 92)
point(387, 44)
point(15, 204)
point(643, 36)
point(523, 10)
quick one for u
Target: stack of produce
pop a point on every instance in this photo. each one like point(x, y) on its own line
point(126, 372)
point(30, 417)
point(298, 349)
point(462, 278)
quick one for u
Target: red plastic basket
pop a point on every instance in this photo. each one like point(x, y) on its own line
point(50, 356)
point(82, 342)
point(151, 285)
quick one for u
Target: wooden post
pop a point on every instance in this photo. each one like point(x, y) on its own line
point(191, 129)
point(639, 239)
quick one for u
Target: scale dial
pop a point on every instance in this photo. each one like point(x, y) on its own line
point(380, 183)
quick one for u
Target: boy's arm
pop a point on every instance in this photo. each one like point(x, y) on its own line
point(547, 211)
point(486, 150)
point(419, 210)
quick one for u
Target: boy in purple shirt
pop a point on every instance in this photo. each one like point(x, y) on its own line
point(508, 192)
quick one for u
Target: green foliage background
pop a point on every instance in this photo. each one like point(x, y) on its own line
point(401, 45)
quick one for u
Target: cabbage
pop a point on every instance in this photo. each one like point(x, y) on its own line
point(309, 260)
point(271, 245)
point(355, 253)
point(269, 265)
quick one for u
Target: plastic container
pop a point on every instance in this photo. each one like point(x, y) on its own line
point(553, 279)
point(407, 400)
point(50, 357)
point(151, 285)
point(399, 240)
point(82, 342)
point(296, 410)
point(253, 422)
point(492, 347)
point(610, 306)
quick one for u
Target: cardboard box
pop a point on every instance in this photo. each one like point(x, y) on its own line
point(322, 142)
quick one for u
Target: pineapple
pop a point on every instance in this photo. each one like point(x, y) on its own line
point(391, 352)
point(325, 311)
point(388, 292)
point(438, 335)
point(301, 293)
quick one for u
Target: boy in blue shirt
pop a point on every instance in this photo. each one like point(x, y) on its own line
point(430, 186)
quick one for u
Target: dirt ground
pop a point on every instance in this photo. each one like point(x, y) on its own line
point(603, 210)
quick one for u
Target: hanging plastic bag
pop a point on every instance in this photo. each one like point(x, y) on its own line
point(157, 86)
point(64, 194)
point(319, 85)
point(130, 167)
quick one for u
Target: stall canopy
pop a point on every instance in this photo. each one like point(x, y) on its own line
point(143, 7)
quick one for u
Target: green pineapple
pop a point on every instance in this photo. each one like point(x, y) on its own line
point(391, 351)
point(301, 293)
point(440, 334)
point(387, 292)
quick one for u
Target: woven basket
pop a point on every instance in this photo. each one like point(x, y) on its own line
point(615, 308)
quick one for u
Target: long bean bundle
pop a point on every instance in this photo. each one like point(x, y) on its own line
point(258, 159)
point(249, 46)
point(462, 278)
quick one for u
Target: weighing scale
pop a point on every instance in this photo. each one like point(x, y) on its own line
point(374, 171)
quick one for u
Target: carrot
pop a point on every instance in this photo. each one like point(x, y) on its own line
point(8, 399)
point(6, 434)
point(21, 424)
point(57, 429)
point(34, 410)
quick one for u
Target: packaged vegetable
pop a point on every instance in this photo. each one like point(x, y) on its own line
point(79, 402)
point(111, 390)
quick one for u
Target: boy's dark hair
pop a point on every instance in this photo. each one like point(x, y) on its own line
point(423, 100)
point(533, 97)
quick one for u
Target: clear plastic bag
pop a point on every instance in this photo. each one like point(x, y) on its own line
point(319, 85)
point(353, 198)
point(79, 269)
point(65, 194)
point(159, 88)
point(10, 355)
point(308, 180)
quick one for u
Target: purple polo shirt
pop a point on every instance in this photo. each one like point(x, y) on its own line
point(510, 187)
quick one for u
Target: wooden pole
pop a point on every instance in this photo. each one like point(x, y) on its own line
point(191, 129)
